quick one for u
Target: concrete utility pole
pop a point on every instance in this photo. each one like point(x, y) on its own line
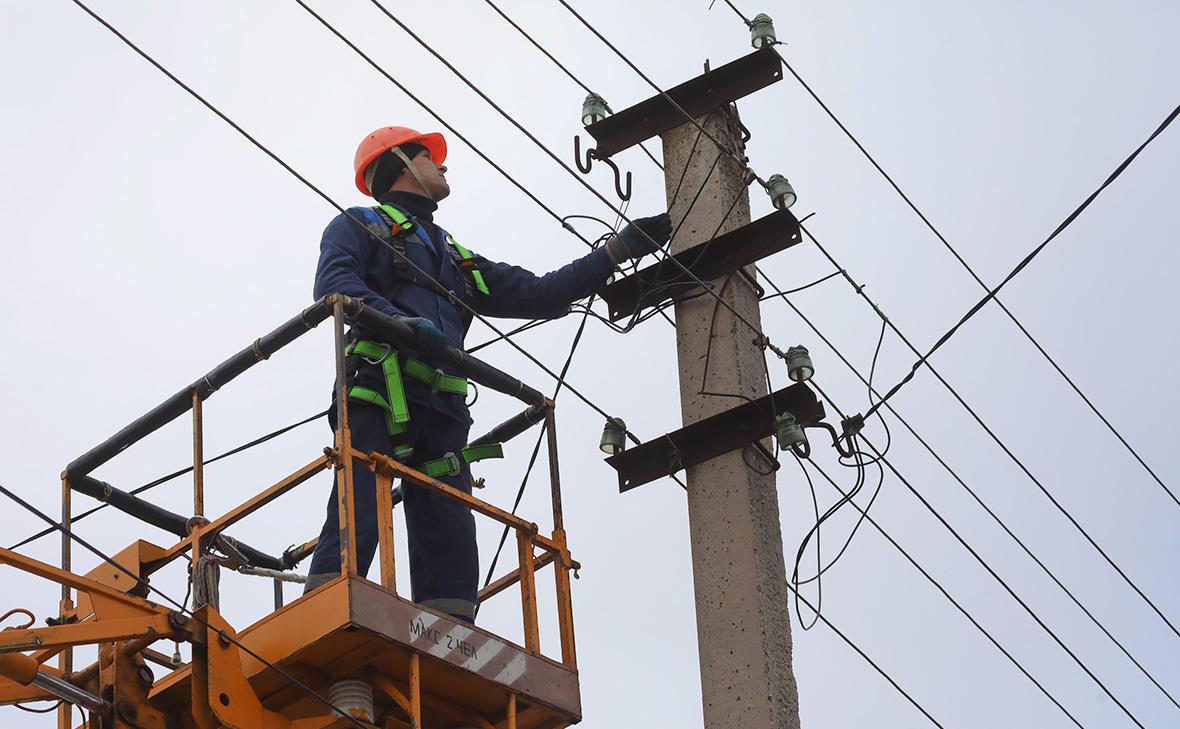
point(743, 623)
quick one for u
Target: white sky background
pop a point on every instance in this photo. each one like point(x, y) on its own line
point(145, 241)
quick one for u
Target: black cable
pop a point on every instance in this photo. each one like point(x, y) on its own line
point(816, 282)
point(818, 578)
point(938, 586)
point(871, 662)
point(872, 372)
point(982, 504)
point(179, 473)
point(987, 429)
point(144, 583)
point(814, 532)
point(511, 333)
point(559, 64)
point(938, 234)
point(533, 458)
point(881, 457)
point(983, 563)
point(1025, 261)
point(855, 527)
point(31, 710)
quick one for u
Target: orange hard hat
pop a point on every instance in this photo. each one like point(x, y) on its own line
point(385, 139)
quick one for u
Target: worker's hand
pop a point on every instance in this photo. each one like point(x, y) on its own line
point(640, 237)
point(429, 340)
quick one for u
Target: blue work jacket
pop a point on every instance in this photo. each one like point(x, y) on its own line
point(354, 262)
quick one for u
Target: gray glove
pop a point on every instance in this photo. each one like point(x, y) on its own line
point(640, 237)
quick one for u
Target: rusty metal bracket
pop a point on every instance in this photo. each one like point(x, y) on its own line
point(699, 96)
point(713, 436)
point(707, 261)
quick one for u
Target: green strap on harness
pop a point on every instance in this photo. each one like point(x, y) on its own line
point(450, 465)
point(406, 224)
point(399, 218)
point(397, 411)
point(393, 401)
point(476, 274)
point(438, 381)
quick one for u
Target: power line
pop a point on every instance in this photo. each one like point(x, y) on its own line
point(1032, 613)
point(930, 578)
point(144, 583)
point(1028, 259)
point(938, 234)
point(987, 509)
point(559, 64)
point(178, 473)
point(987, 429)
point(870, 661)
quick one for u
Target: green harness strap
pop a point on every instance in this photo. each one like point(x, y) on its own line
point(399, 218)
point(393, 402)
point(402, 221)
point(476, 274)
point(449, 465)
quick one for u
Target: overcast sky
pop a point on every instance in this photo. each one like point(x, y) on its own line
point(145, 241)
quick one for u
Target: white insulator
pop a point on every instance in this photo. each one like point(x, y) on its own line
point(354, 698)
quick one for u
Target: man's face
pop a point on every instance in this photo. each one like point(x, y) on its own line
point(433, 174)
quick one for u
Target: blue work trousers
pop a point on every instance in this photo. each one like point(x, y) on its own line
point(444, 559)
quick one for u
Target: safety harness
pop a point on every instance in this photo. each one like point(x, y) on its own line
point(401, 229)
point(394, 365)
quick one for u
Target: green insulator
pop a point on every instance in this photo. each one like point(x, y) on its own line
point(762, 31)
point(594, 109)
point(799, 366)
point(782, 195)
point(788, 432)
point(614, 436)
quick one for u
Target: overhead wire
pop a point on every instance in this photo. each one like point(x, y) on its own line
point(871, 662)
point(859, 289)
point(946, 243)
point(143, 583)
point(950, 598)
point(995, 575)
point(180, 472)
point(982, 504)
point(1028, 259)
point(1003, 583)
point(560, 65)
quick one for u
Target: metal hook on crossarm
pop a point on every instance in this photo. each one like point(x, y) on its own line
point(584, 168)
point(590, 156)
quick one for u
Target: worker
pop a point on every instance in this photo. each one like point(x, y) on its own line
point(401, 402)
